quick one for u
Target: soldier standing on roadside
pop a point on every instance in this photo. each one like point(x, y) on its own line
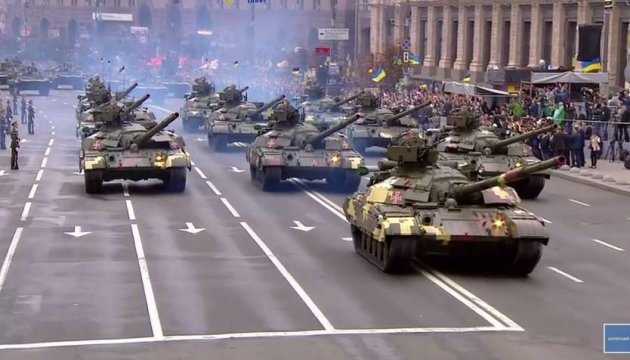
point(9, 111)
point(4, 129)
point(23, 103)
point(31, 118)
point(15, 144)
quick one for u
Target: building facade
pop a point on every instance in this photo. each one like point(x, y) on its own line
point(461, 38)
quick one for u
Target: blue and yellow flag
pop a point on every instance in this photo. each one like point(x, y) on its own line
point(466, 78)
point(295, 71)
point(594, 65)
point(414, 59)
point(378, 75)
point(228, 2)
point(236, 64)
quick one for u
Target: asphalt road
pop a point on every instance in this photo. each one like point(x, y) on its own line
point(221, 271)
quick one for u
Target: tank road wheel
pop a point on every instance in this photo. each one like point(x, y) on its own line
point(268, 178)
point(176, 180)
point(526, 256)
point(529, 188)
point(93, 181)
point(217, 142)
point(394, 255)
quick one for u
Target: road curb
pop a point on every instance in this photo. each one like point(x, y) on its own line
point(587, 180)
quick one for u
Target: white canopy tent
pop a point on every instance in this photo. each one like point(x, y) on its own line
point(454, 87)
point(569, 77)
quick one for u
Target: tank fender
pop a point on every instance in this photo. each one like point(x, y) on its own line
point(94, 163)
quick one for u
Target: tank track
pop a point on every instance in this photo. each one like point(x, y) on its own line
point(394, 255)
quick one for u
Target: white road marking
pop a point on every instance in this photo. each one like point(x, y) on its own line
point(125, 189)
point(130, 212)
point(198, 170)
point(65, 103)
point(192, 163)
point(579, 202)
point(47, 152)
point(50, 121)
point(544, 220)
point(346, 238)
point(570, 277)
point(51, 142)
point(27, 209)
point(213, 188)
point(154, 317)
point(31, 194)
point(52, 133)
point(230, 207)
point(52, 127)
point(252, 335)
point(40, 173)
point(17, 235)
point(285, 273)
point(608, 245)
point(44, 162)
point(467, 298)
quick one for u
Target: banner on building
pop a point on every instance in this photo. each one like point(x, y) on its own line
point(589, 42)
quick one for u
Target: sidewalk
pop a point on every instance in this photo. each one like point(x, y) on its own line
point(611, 176)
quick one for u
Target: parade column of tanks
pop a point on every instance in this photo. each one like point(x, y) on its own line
point(126, 149)
point(67, 75)
point(482, 154)
point(415, 208)
point(200, 103)
point(235, 120)
point(322, 111)
point(29, 78)
point(378, 125)
point(289, 148)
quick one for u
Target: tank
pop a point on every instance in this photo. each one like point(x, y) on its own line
point(236, 124)
point(378, 125)
point(67, 76)
point(419, 209)
point(289, 148)
point(199, 106)
point(8, 71)
point(101, 114)
point(29, 78)
point(482, 154)
point(325, 112)
point(132, 151)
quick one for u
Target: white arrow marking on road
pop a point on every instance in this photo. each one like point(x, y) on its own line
point(77, 233)
point(301, 227)
point(78, 173)
point(2, 173)
point(190, 228)
point(236, 170)
point(200, 139)
point(347, 239)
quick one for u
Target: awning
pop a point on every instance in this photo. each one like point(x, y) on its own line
point(455, 87)
point(569, 77)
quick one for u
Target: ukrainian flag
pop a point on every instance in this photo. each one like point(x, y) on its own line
point(466, 78)
point(236, 64)
point(594, 65)
point(414, 59)
point(378, 75)
point(295, 71)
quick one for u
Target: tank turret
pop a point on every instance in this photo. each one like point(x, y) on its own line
point(127, 91)
point(390, 120)
point(349, 120)
point(135, 105)
point(507, 177)
point(345, 100)
point(367, 101)
point(512, 140)
point(266, 107)
point(233, 96)
point(142, 139)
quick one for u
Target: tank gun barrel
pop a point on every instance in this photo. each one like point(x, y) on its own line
point(349, 120)
point(244, 89)
point(521, 137)
point(407, 112)
point(127, 91)
point(508, 177)
point(135, 105)
point(346, 100)
point(142, 139)
point(267, 106)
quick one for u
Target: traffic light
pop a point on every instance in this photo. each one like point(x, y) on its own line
point(406, 57)
point(608, 4)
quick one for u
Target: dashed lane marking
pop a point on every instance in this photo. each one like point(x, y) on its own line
point(47, 152)
point(51, 142)
point(6, 264)
point(130, 211)
point(44, 162)
point(203, 176)
point(213, 188)
point(608, 245)
point(125, 188)
point(323, 320)
point(40, 173)
point(154, 317)
point(568, 276)
point(230, 208)
point(31, 194)
point(27, 209)
point(579, 202)
point(52, 133)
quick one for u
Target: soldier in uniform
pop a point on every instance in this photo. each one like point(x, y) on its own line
point(4, 129)
point(15, 144)
point(9, 111)
point(31, 118)
point(23, 108)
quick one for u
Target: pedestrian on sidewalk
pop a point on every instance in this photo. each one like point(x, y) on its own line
point(595, 144)
point(15, 144)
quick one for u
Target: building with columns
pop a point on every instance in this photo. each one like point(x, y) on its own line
point(466, 37)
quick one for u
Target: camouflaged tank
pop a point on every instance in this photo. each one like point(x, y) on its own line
point(199, 105)
point(8, 71)
point(378, 125)
point(236, 121)
point(482, 154)
point(134, 151)
point(69, 76)
point(416, 208)
point(291, 149)
point(325, 112)
point(29, 78)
